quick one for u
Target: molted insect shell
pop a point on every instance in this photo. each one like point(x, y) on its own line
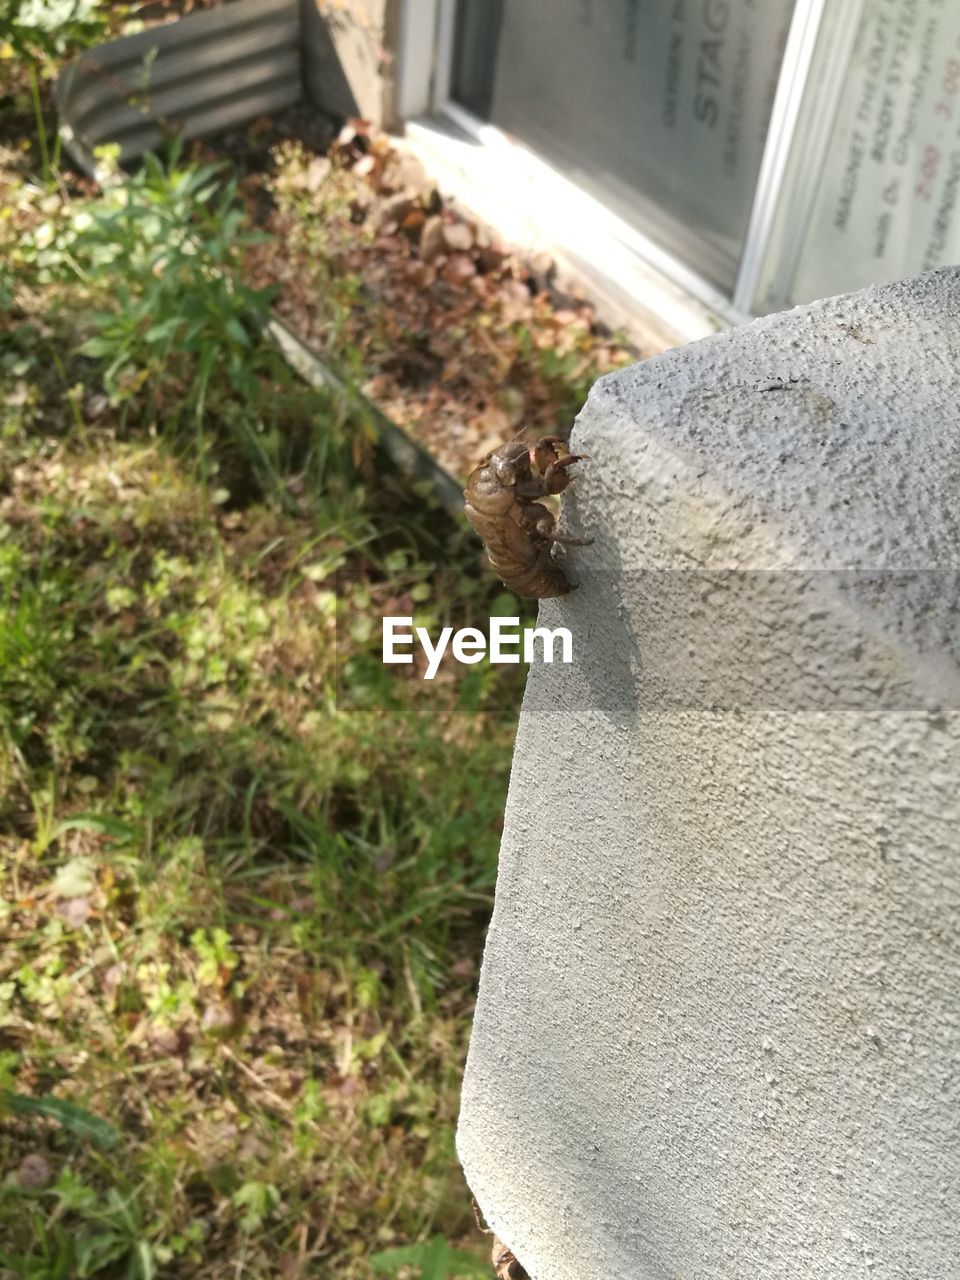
point(505, 1264)
point(517, 530)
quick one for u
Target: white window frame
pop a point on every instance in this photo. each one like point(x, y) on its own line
point(478, 161)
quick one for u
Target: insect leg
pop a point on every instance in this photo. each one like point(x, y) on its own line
point(538, 519)
point(565, 540)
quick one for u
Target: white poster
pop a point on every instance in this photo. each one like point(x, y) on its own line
point(886, 204)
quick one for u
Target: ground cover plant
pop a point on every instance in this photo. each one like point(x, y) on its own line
point(244, 876)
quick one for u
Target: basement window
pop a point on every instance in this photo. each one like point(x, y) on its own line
point(752, 153)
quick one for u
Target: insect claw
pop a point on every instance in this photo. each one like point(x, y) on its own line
point(477, 1218)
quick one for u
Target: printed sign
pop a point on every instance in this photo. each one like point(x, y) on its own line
point(886, 205)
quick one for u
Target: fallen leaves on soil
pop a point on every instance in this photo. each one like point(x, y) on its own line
point(460, 341)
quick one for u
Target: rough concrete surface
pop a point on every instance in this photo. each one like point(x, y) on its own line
point(718, 1029)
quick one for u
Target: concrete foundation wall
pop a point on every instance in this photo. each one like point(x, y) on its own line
point(718, 1030)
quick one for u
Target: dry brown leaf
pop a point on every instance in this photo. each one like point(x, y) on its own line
point(490, 257)
point(458, 236)
point(404, 172)
point(433, 243)
point(458, 269)
point(74, 912)
point(392, 212)
point(494, 424)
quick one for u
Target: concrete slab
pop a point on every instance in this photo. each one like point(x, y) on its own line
point(718, 1029)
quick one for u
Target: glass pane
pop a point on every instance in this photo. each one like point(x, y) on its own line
point(475, 54)
point(886, 194)
point(660, 109)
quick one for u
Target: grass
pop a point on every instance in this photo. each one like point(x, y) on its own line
point(245, 872)
point(243, 908)
point(245, 877)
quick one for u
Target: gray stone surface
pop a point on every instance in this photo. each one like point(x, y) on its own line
point(718, 1030)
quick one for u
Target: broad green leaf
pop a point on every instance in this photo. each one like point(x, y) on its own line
point(96, 347)
point(435, 1258)
point(81, 1123)
point(236, 331)
point(102, 823)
